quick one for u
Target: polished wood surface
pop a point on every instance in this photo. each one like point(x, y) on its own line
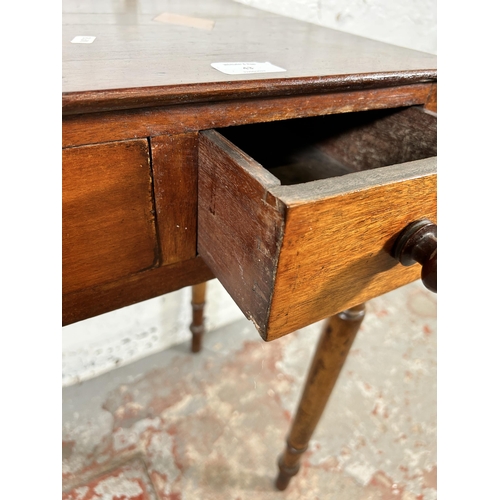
point(138, 61)
point(418, 243)
point(331, 352)
point(108, 215)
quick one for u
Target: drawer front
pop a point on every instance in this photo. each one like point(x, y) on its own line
point(295, 249)
point(108, 213)
point(336, 250)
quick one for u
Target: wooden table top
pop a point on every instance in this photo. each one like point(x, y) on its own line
point(157, 52)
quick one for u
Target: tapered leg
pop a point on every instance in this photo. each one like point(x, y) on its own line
point(197, 327)
point(333, 346)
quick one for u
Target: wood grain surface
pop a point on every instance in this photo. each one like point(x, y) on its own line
point(239, 233)
point(111, 126)
point(136, 61)
point(431, 102)
point(175, 169)
point(133, 288)
point(108, 213)
point(336, 246)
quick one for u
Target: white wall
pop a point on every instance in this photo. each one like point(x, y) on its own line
point(100, 344)
point(408, 23)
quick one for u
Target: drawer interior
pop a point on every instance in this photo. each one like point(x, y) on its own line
point(308, 149)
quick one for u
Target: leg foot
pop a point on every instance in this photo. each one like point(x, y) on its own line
point(286, 473)
point(333, 346)
point(197, 327)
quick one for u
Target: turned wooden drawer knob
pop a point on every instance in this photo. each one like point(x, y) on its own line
point(418, 243)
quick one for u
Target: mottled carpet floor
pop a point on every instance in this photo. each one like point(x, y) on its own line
point(183, 426)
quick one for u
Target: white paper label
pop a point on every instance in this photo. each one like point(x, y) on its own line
point(244, 68)
point(83, 39)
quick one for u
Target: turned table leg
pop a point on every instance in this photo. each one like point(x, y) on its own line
point(197, 327)
point(331, 352)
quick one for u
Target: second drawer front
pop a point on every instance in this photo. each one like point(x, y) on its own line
point(108, 213)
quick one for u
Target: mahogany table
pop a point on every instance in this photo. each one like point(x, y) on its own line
point(288, 174)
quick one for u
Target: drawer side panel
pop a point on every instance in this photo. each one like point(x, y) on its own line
point(239, 232)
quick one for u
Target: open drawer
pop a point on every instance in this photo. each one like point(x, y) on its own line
point(297, 218)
